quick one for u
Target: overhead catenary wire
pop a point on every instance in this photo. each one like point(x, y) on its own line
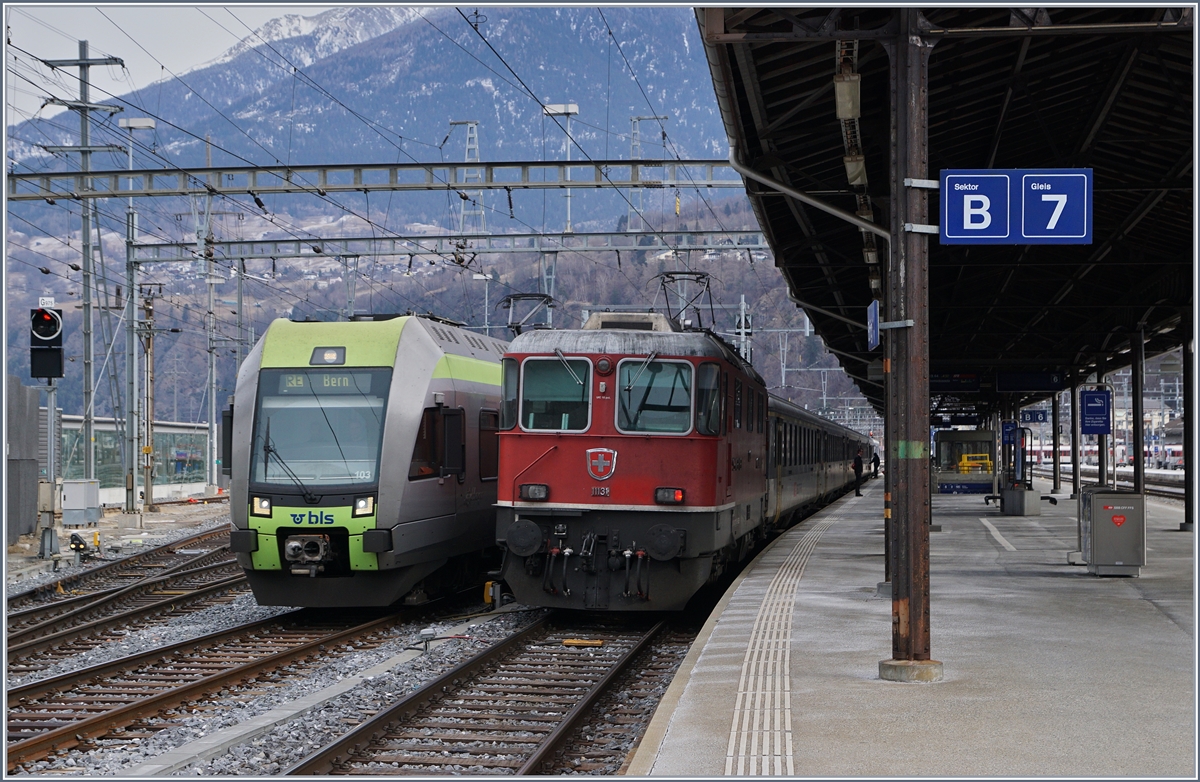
point(339, 205)
point(374, 225)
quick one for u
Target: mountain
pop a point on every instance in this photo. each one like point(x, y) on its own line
point(307, 39)
point(382, 84)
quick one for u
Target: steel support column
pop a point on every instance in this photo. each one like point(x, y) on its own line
point(1102, 440)
point(1137, 374)
point(1076, 437)
point(1057, 460)
point(85, 236)
point(907, 365)
point(1189, 423)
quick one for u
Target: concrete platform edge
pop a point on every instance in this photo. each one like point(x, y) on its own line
point(647, 749)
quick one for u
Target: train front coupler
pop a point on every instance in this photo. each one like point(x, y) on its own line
point(307, 554)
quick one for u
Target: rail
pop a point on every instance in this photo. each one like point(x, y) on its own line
point(65, 711)
point(508, 709)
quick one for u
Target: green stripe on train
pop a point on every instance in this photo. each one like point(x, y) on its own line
point(472, 370)
point(367, 343)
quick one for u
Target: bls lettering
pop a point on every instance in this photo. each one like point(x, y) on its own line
point(312, 517)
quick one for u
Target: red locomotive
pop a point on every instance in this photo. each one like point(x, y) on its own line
point(638, 460)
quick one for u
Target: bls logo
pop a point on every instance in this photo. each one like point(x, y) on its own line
point(312, 517)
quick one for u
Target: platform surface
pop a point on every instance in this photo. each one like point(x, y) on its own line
point(1048, 670)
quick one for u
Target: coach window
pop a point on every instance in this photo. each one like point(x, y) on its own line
point(708, 399)
point(762, 412)
point(737, 403)
point(654, 396)
point(554, 394)
point(489, 445)
point(508, 391)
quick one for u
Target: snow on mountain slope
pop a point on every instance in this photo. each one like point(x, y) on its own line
point(323, 34)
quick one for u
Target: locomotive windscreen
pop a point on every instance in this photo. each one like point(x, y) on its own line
point(655, 396)
point(554, 394)
point(323, 427)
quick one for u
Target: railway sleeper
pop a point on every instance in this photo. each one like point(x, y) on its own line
point(507, 737)
point(406, 760)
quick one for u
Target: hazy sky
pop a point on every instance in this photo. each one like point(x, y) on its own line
point(177, 36)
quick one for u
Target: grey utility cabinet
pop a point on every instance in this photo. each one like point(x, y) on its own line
point(81, 503)
point(1112, 528)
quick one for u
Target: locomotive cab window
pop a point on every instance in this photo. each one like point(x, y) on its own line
point(737, 404)
point(508, 392)
point(427, 450)
point(654, 396)
point(318, 427)
point(554, 394)
point(708, 399)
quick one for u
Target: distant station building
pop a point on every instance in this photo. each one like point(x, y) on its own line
point(179, 449)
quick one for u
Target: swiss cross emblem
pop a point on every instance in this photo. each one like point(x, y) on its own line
point(601, 463)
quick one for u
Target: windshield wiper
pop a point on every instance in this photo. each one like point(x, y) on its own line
point(641, 369)
point(563, 359)
point(269, 449)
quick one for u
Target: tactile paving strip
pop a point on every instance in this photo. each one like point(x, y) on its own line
point(760, 739)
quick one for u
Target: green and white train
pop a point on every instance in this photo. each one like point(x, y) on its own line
point(363, 460)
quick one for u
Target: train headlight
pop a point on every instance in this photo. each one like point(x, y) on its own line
point(364, 506)
point(535, 491)
point(668, 496)
point(260, 506)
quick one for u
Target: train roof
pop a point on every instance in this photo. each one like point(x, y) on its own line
point(368, 340)
point(780, 405)
point(631, 340)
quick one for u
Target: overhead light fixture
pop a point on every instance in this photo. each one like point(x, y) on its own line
point(847, 95)
point(856, 169)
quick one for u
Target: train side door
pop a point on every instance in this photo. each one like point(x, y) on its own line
point(454, 450)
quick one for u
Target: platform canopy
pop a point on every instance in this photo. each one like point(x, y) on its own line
point(1110, 89)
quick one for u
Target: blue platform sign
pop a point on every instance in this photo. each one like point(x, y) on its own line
point(1035, 416)
point(1007, 429)
point(1095, 408)
point(873, 324)
point(1016, 206)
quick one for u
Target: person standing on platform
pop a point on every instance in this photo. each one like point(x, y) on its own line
point(875, 464)
point(858, 468)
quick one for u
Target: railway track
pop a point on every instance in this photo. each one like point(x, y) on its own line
point(507, 710)
point(81, 624)
point(75, 709)
point(178, 555)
